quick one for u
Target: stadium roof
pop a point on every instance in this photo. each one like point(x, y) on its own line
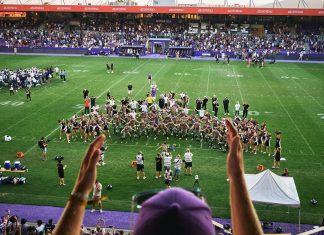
point(206, 3)
point(130, 6)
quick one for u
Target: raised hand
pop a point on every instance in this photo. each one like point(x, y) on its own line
point(88, 170)
point(235, 165)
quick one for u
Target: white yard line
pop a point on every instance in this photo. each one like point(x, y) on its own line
point(284, 108)
point(180, 77)
point(104, 92)
point(208, 77)
point(300, 87)
point(145, 85)
point(238, 86)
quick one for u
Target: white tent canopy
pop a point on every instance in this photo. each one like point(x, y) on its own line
point(269, 188)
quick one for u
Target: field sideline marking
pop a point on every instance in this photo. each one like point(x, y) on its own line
point(104, 92)
point(291, 119)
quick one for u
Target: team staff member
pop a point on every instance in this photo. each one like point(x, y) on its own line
point(130, 89)
point(277, 157)
point(149, 78)
point(43, 146)
point(28, 94)
point(245, 110)
point(177, 167)
point(140, 165)
point(96, 198)
point(60, 170)
point(86, 105)
point(188, 162)
point(112, 67)
point(226, 104)
point(215, 105)
point(158, 166)
point(168, 177)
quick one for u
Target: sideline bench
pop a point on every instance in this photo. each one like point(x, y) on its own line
point(20, 172)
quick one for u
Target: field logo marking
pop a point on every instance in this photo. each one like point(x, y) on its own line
point(254, 113)
point(321, 115)
point(182, 74)
point(12, 103)
point(130, 72)
point(80, 71)
point(78, 106)
point(234, 75)
point(293, 78)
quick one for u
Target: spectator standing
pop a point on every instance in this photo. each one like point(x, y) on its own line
point(40, 227)
point(49, 227)
point(23, 227)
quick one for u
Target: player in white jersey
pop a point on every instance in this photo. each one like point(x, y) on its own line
point(97, 187)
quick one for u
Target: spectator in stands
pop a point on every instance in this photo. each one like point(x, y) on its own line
point(49, 227)
point(40, 227)
point(23, 227)
point(155, 211)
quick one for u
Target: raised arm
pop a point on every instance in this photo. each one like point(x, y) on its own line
point(72, 217)
point(244, 218)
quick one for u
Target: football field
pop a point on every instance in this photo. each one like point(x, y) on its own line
point(287, 96)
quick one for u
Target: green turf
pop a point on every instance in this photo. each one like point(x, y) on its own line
point(288, 96)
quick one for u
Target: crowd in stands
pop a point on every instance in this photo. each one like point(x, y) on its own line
point(12, 225)
point(115, 33)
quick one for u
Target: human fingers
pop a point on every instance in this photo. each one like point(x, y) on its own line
point(235, 158)
point(96, 144)
point(231, 131)
point(86, 180)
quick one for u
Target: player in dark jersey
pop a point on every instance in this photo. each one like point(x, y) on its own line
point(112, 67)
point(108, 68)
point(149, 78)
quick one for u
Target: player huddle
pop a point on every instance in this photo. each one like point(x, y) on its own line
point(169, 117)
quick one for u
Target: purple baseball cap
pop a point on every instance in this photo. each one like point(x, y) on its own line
point(174, 212)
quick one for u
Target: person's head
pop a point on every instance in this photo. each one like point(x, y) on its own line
point(50, 221)
point(286, 170)
point(39, 222)
point(175, 212)
point(23, 221)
